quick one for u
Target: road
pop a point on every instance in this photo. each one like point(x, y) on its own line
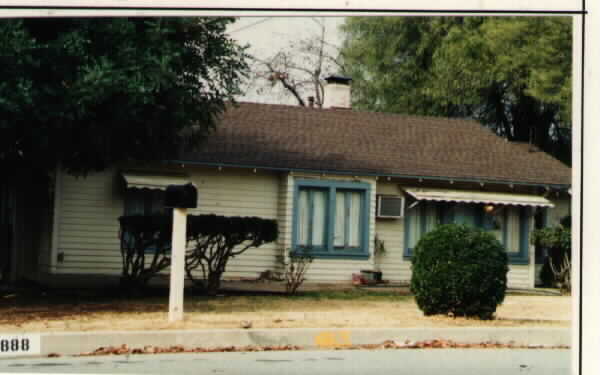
point(347, 362)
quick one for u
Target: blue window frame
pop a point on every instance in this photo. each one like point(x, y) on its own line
point(422, 218)
point(517, 248)
point(331, 218)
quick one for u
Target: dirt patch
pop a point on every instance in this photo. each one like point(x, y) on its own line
point(335, 309)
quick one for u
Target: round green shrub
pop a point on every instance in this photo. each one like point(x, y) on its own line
point(458, 270)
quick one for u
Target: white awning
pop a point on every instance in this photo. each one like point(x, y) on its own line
point(137, 180)
point(466, 196)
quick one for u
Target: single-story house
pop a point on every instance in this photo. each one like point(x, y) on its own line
point(335, 179)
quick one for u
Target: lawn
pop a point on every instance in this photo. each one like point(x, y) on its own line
point(75, 310)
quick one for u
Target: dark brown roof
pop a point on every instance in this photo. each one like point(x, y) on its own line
point(291, 137)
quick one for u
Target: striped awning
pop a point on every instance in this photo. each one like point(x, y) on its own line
point(468, 196)
point(137, 180)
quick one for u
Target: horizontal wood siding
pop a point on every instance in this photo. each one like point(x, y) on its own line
point(391, 231)
point(88, 227)
point(240, 192)
point(88, 230)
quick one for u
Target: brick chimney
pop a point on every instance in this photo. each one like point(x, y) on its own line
point(337, 92)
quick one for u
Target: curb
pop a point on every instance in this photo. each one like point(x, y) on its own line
point(71, 343)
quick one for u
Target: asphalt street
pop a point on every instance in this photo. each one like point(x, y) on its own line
point(347, 362)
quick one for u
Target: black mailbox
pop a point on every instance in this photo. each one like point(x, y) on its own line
point(181, 196)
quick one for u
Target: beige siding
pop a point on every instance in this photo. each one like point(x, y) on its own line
point(392, 264)
point(89, 207)
point(240, 192)
point(88, 228)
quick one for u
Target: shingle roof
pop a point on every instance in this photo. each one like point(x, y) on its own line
point(293, 137)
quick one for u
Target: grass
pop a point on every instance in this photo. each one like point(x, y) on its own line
point(86, 310)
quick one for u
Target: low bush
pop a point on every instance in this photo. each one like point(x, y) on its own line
point(295, 266)
point(145, 248)
point(556, 271)
point(459, 271)
point(216, 239)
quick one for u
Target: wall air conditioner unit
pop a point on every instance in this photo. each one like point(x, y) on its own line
point(390, 206)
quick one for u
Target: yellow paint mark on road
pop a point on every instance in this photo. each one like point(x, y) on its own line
point(332, 339)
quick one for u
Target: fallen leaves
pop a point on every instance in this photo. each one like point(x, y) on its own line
point(388, 344)
point(149, 349)
point(448, 344)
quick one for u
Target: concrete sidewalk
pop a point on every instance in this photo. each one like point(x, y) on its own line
point(70, 343)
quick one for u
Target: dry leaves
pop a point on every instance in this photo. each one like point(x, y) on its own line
point(388, 344)
point(149, 349)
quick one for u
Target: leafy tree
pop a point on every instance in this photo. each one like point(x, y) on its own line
point(91, 92)
point(510, 73)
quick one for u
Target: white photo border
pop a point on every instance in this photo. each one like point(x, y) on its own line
point(586, 92)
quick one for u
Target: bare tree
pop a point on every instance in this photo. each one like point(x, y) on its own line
point(299, 68)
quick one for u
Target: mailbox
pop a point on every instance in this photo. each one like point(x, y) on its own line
point(181, 196)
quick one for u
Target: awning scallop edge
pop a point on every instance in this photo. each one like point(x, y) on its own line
point(469, 196)
point(155, 181)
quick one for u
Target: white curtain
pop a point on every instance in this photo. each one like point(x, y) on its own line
point(319, 217)
point(512, 229)
point(414, 234)
point(354, 219)
point(303, 218)
point(340, 219)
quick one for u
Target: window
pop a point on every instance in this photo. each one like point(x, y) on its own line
point(331, 219)
point(421, 219)
point(516, 235)
point(144, 202)
point(509, 224)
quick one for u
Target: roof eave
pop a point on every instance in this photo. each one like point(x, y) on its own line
point(376, 174)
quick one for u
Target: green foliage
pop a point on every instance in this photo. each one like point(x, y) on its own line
point(217, 239)
point(557, 242)
point(555, 237)
point(511, 73)
point(91, 92)
point(460, 271)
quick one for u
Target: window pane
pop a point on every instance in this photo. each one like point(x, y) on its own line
point(414, 226)
point(318, 218)
point(513, 244)
point(303, 217)
point(354, 219)
point(431, 218)
point(157, 205)
point(134, 202)
point(340, 219)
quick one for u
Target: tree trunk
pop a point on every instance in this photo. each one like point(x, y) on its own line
point(213, 283)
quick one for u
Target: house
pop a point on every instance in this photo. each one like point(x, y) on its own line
point(334, 179)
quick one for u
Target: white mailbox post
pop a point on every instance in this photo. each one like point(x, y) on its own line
point(177, 280)
point(180, 198)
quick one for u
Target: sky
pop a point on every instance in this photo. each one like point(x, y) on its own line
point(268, 35)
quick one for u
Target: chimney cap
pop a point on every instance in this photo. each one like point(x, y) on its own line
point(336, 78)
